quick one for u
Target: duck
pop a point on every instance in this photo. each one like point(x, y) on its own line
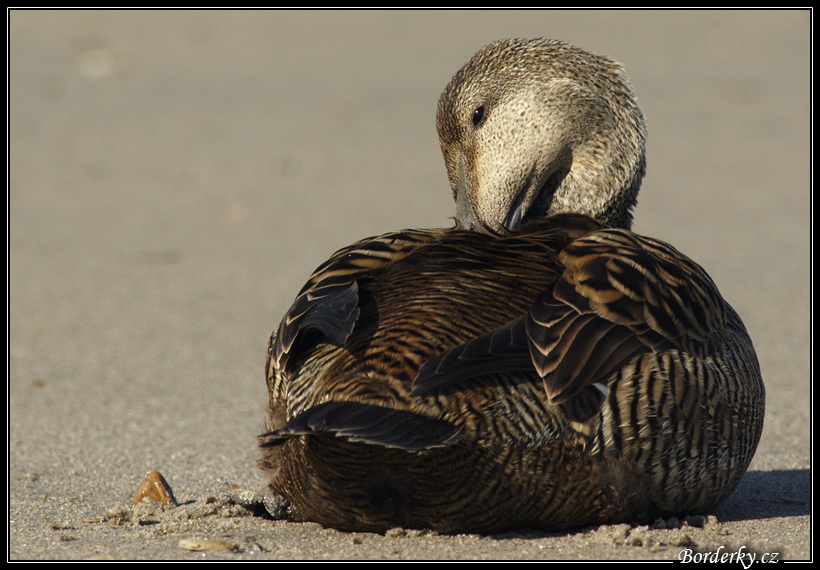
point(537, 365)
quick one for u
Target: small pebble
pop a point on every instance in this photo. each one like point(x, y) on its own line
point(681, 539)
point(240, 496)
point(670, 523)
point(396, 532)
point(696, 521)
point(276, 506)
point(205, 545)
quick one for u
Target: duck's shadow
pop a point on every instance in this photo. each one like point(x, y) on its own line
point(760, 495)
point(768, 494)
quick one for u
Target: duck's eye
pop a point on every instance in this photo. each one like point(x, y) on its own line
point(478, 114)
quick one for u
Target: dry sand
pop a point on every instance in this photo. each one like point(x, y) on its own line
point(175, 177)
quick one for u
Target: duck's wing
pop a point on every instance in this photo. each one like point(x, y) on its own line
point(371, 424)
point(328, 303)
point(619, 295)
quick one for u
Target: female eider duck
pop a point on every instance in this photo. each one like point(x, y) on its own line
point(538, 365)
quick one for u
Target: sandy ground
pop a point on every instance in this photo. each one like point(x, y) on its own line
point(175, 177)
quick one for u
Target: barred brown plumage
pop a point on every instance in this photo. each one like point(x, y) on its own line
point(539, 364)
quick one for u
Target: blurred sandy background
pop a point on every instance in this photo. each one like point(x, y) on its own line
point(174, 177)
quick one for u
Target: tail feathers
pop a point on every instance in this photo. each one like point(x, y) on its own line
point(367, 423)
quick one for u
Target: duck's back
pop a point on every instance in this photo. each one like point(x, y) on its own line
point(467, 381)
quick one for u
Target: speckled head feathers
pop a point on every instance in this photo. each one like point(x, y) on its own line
point(530, 128)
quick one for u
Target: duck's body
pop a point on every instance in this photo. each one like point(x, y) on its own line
point(548, 374)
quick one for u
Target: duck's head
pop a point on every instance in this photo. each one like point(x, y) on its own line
point(531, 128)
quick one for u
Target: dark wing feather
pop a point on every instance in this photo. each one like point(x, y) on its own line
point(620, 295)
point(572, 350)
point(330, 308)
point(628, 295)
point(329, 300)
point(501, 350)
point(366, 423)
point(645, 284)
